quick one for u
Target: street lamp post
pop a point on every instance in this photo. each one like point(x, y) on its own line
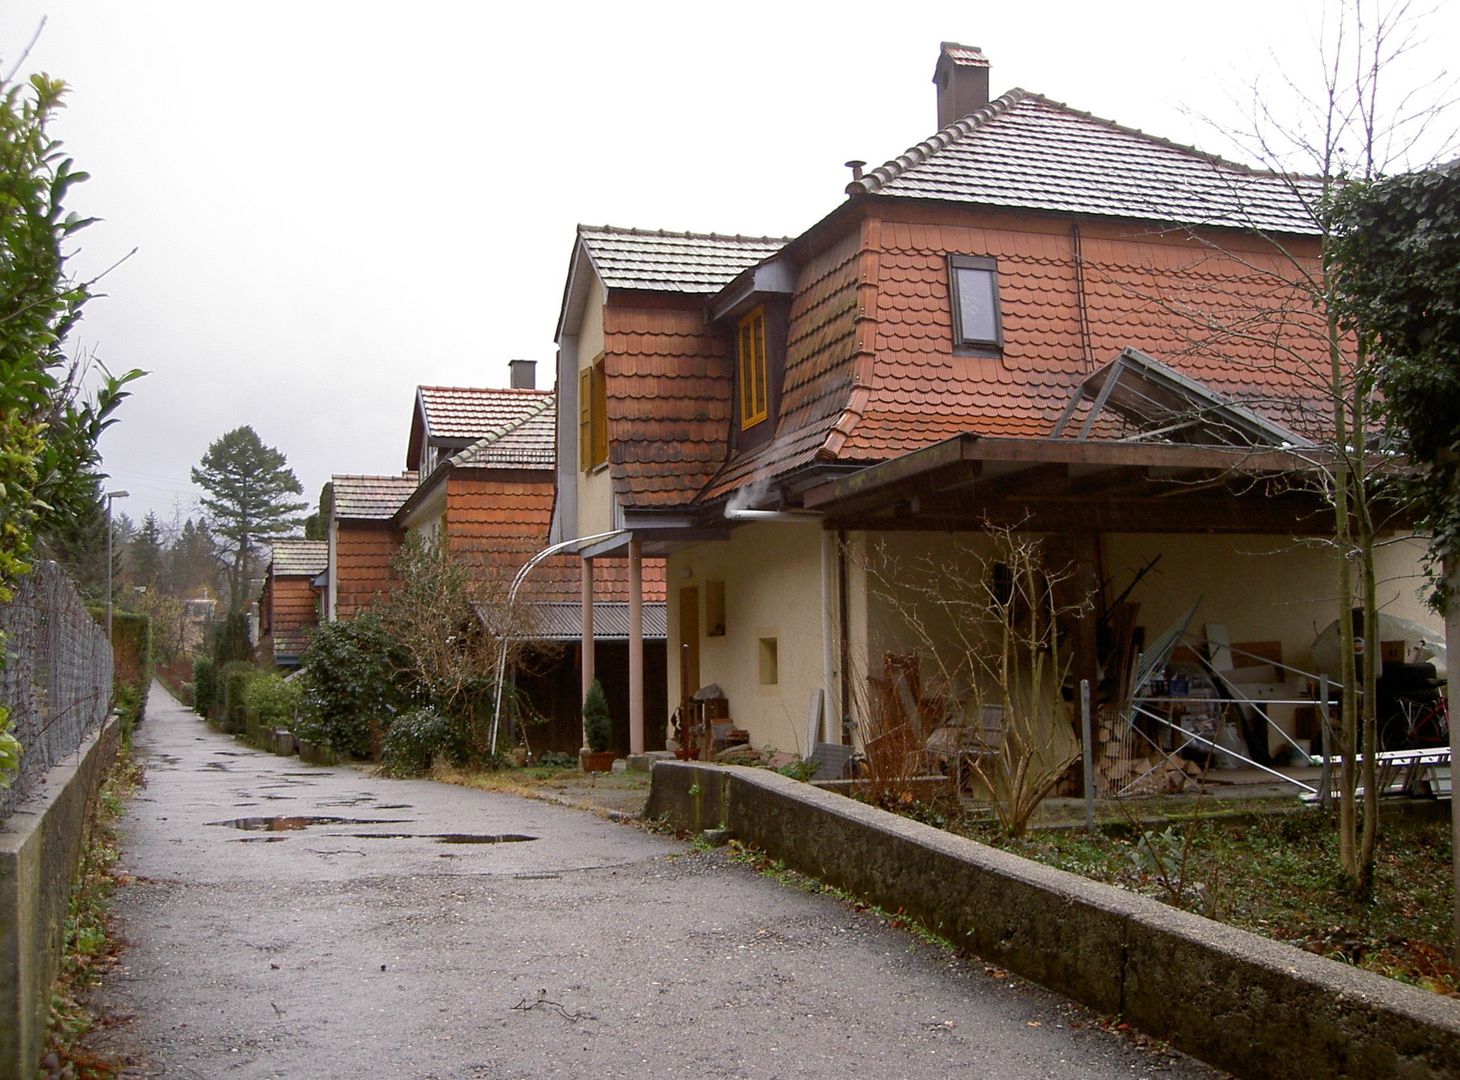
point(109, 496)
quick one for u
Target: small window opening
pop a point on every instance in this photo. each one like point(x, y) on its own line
point(770, 673)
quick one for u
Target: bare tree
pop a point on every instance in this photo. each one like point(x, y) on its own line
point(1314, 141)
point(991, 618)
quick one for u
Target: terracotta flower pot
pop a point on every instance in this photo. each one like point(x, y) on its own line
point(596, 760)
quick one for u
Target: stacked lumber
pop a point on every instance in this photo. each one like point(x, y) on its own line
point(1123, 761)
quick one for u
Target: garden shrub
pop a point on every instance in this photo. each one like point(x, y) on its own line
point(205, 685)
point(418, 737)
point(597, 723)
point(351, 687)
point(273, 699)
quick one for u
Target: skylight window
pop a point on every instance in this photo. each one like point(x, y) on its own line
point(973, 282)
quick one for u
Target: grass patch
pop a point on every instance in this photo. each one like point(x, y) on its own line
point(1276, 875)
point(91, 946)
point(603, 793)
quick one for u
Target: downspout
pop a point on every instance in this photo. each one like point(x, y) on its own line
point(521, 576)
point(830, 728)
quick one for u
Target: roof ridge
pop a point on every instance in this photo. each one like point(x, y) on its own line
point(406, 474)
point(669, 234)
point(490, 389)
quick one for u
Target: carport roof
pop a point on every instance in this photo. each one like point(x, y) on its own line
point(1062, 485)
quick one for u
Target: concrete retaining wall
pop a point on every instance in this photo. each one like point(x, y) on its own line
point(1239, 1001)
point(40, 846)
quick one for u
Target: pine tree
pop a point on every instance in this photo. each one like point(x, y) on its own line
point(144, 554)
point(249, 487)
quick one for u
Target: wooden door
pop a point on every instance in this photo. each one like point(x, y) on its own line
point(689, 642)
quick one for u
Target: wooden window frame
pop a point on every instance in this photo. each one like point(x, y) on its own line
point(592, 416)
point(961, 338)
point(753, 367)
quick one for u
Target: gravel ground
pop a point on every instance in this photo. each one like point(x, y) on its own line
point(383, 945)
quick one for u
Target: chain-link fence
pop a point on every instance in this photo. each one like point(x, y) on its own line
point(57, 677)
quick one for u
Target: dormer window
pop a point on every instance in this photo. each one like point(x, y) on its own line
point(751, 355)
point(973, 288)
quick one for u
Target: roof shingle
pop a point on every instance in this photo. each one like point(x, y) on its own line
point(1027, 152)
point(371, 498)
point(293, 557)
point(672, 262)
point(469, 413)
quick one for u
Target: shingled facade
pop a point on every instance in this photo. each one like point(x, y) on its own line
point(1033, 318)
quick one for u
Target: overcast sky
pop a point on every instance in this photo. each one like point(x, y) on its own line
point(333, 202)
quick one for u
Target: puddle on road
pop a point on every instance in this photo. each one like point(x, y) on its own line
point(306, 774)
point(295, 823)
point(221, 766)
point(259, 839)
point(231, 753)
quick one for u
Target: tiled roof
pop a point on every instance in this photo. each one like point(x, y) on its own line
point(469, 413)
point(294, 557)
point(1028, 152)
point(672, 262)
point(371, 497)
point(524, 440)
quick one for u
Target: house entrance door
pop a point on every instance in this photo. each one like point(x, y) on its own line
point(689, 642)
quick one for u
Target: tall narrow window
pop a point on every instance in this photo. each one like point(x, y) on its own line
point(750, 345)
point(592, 416)
point(974, 290)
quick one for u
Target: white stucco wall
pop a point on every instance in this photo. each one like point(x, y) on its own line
point(595, 490)
point(772, 577)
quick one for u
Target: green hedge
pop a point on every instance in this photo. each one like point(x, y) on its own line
point(205, 685)
point(131, 663)
point(234, 677)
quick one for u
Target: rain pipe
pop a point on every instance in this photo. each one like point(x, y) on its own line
point(517, 580)
point(830, 727)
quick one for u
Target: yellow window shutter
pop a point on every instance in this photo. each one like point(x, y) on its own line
point(600, 414)
point(585, 419)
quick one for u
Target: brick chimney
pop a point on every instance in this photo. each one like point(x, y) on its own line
point(962, 79)
point(524, 374)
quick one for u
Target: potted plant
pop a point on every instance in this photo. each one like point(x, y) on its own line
point(597, 730)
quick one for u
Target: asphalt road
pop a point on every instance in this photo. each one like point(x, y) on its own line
point(385, 945)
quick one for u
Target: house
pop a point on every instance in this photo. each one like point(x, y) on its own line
point(363, 539)
point(481, 483)
point(290, 602)
point(490, 503)
point(1034, 319)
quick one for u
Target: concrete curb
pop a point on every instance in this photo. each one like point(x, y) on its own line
point(1236, 1000)
point(40, 846)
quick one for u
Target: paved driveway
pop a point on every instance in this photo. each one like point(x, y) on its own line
point(435, 931)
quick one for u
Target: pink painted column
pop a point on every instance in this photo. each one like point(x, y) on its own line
point(636, 647)
point(587, 636)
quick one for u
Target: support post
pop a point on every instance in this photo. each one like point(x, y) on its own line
point(636, 646)
point(1451, 567)
point(1325, 735)
point(587, 640)
point(1088, 752)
